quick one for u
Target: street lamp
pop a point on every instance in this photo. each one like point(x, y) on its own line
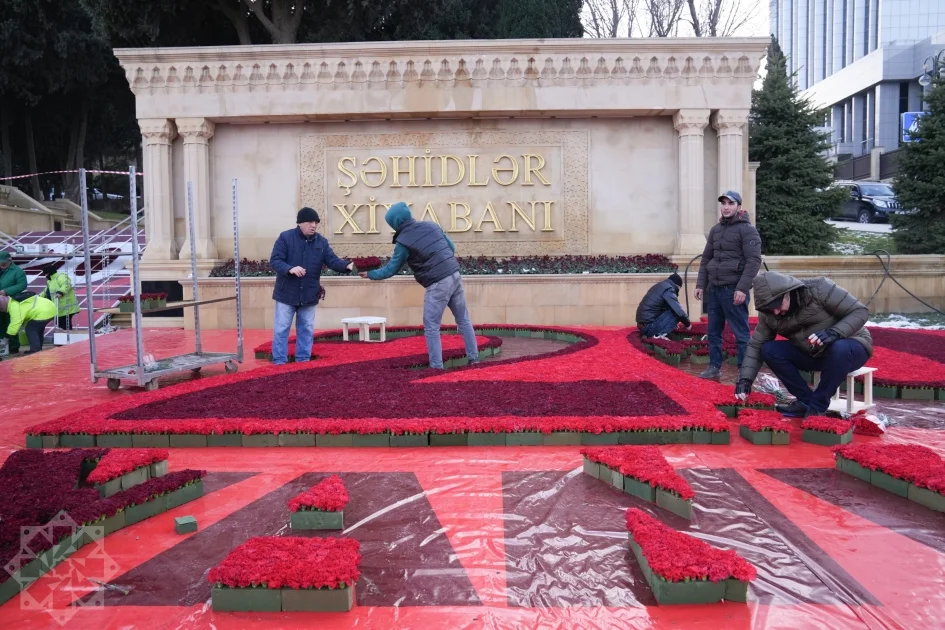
point(937, 63)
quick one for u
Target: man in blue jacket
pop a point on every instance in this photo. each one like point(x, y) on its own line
point(297, 258)
point(659, 311)
point(432, 257)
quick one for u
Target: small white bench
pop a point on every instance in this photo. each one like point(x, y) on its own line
point(851, 405)
point(364, 327)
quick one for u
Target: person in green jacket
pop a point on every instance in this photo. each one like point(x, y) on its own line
point(33, 313)
point(59, 289)
point(12, 283)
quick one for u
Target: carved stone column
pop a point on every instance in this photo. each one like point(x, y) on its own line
point(157, 134)
point(691, 124)
point(730, 124)
point(196, 133)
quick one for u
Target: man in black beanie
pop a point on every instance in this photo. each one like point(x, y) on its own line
point(660, 311)
point(297, 258)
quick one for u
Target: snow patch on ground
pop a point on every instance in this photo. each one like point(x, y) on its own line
point(918, 321)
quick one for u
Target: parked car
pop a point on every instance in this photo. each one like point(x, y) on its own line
point(97, 195)
point(869, 202)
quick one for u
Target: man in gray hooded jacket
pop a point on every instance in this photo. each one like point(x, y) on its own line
point(824, 328)
point(432, 257)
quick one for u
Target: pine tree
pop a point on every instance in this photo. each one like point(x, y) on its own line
point(921, 182)
point(793, 198)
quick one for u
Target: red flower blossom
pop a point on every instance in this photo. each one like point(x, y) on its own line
point(757, 420)
point(827, 425)
point(677, 557)
point(289, 562)
point(120, 461)
point(916, 464)
point(329, 495)
point(644, 463)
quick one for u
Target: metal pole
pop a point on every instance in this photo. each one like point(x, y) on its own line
point(236, 264)
point(193, 261)
point(89, 307)
point(136, 274)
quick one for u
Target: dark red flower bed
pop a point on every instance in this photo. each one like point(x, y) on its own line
point(37, 485)
point(328, 495)
point(678, 557)
point(367, 263)
point(757, 420)
point(928, 344)
point(827, 425)
point(289, 562)
point(644, 463)
point(916, 464)
point(118, 462)
point(671, 347)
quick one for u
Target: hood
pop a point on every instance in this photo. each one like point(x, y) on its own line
point(771, 284)
point(738, 217)
point(398, 214)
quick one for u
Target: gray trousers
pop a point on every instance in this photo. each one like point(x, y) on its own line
point(444, 293)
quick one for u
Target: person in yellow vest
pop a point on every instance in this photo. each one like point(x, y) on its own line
point(58, 286)
point(33, 314)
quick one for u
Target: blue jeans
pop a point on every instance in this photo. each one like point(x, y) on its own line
point(662, 325)
point(834, 363)
point(304, 332)
point(447, 292)
point(722, 309)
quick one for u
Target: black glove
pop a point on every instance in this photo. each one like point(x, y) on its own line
point(826, 337)
point(685, 322)
point(743, 387)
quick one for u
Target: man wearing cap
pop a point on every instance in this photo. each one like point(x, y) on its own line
point(12, 283)
point(32, 313)
point(297, 258)
point(660, 311)
point(59, 290)
point(824, 328)
point(730, 261)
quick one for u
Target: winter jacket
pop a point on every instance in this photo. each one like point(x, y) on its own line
point(293, 249)
point(13, 281)
point(421, 244)
point(732, 254)
point(820, 305)
point(31, 309)
point(661, 297)
point(60, 283)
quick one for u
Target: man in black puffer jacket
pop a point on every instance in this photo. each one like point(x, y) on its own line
point(731, 260)
point(660, 311)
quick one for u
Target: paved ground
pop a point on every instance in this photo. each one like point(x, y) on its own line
point(876, 228)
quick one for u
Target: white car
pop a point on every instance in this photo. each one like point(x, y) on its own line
point(96, 194)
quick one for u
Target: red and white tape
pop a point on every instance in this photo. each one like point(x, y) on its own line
point(3, 179)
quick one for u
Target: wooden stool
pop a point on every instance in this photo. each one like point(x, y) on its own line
point(364, 327)
point(851, 405)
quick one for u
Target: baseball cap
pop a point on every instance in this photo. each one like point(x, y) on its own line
point(733, 195)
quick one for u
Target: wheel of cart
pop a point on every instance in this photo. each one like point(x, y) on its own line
point(114, 384)
point(152, 385)
point(231, 367)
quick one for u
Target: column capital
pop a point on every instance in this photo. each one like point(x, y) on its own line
point(195, 130)
point(691, 122)
point(730, 120)
point(157, 130)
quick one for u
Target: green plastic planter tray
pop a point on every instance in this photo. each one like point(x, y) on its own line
point(137, 513)
point(639, 489)
point(917, 393)
point(736, 590)
point(699, 359)
point(150, 441)
point(76, 440)
point(260, 440)
point(225, 439)
point(315, 519)
point(188, 440)
point(113, 523)
point(297, 439)
point(524, 438)
point(730, 411)
point(562, 438)
point(676, 505)
point(109, 488)
point(318, 599)
point(135, 477)
point(410, 439)
point(825, 438)
point(51, 441)
point(339, 440)
point(599, 439)
point(721, 437)
point(185, 524)
point(246, 599)
point(885, 391)
point(850, 467)
point(889, 483)
point(613, 477)
point(485, 439)
point(940, 393)
point(592, 468)
point(701, 437)
point(765, 438)
point(113, 440)
point(370, 439)
point(448, 439)
point(158, 469)
point(924, 496)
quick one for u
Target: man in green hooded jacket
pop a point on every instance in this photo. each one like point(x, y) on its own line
point(12, 283)
point(824, 330)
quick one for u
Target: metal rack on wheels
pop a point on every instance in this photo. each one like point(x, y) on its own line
point(147, 374)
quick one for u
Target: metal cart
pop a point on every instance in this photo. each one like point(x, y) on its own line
point(147, 375)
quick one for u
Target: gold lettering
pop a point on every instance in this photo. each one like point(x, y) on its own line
point(494, 220)
point(529, 169)
point(445, 170)
point(429, 210)
point(517, 211)
point(548, 205)
point(455, 216)
point(381, 170)
point(428, 170)
point(354, 178)
point(349, 219)
point(372, 217)
point(396, 172)
point(512, 169)
point(472, 172)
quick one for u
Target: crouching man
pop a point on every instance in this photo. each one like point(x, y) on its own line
point(824, 330)
point(660, 311)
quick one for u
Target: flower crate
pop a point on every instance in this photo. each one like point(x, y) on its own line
point(410, 439)
point(826, 438)
point(448, 439)
point(296, 439)
point(911, 471)
point(885, 391)
point(486, 439)
point(764, 427)
point(524, 438)
point(371, 439)
point(321, 506)
point(76, 440)
point(113, 440)
point(917, 393)
point(253, 599)
point(150, 440)
point(827, 431)
point(561, 438)
point(334, 440)
point(188, 440)
point(224, 439)
point(318, 599)
point(317, 519)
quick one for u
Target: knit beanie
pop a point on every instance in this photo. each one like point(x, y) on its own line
point(676, 279)
point(307, 215)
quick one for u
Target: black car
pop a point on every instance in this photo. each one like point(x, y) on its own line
point(869, 202)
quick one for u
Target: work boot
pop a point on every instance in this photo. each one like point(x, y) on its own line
point(713, 371)
point(795, 409)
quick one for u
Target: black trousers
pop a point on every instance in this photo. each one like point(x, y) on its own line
point(64, 322)
point(34, 332)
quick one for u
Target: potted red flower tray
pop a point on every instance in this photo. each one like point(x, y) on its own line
point(122, 469)
point(643, 472)
point(913, 472)
point(681, 569)
point(764, 427)
point(827, 431)
point(274, 574)
point(321, 506)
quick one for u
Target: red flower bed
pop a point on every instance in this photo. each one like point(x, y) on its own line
point(329, 495)
point(288, 562)
point(916, 464)
point(38, 485)
point(119, 462)
point(755, 420)
point(827, 425)
point(678, 557)
point(754, 400)
point(644, 463)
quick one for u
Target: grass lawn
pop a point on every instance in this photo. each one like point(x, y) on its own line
point(855, 243)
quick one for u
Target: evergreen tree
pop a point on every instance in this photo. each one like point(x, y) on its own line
point(792, 195)
point(921, 182)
